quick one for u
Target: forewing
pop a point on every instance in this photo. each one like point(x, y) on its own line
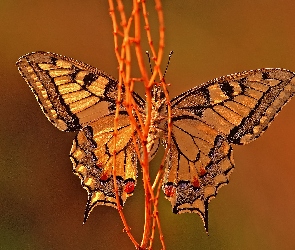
point(240, 106)
point(235, 109)
point(70, 93)
point(92, 155)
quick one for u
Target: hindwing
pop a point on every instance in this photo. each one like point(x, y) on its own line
point(92, 155)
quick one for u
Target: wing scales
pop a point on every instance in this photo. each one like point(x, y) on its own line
point(240, 106)
point(234, 109)
point(77, 97)
point(92, 155)
point(66, 88)
point(190, 182)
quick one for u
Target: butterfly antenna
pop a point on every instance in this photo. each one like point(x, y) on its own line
point(149, 57)
point(169, 58)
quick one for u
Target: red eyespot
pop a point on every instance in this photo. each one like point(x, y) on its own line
point(196, 182)
point(169, 190)
point(129, 187)
point(202, 172)
point(104, 176)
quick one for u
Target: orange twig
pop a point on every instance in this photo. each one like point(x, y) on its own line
point(118, 103)
point(140, 123)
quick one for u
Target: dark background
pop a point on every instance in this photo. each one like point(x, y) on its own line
point(42, 202)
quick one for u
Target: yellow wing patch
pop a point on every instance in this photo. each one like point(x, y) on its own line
point(93, 160)
point(206, 121)
point(234, 109)
point(65, 88)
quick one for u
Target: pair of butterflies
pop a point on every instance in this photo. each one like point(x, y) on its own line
point(206, 121)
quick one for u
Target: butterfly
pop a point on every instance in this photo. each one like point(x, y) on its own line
point(206, 121)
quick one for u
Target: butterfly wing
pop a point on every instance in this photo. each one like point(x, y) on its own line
point(77, 97)
point(234, 109)
point(92, 155)
point(70, 93)
point(199, 162)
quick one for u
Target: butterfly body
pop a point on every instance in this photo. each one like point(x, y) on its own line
point(206, 121)
point(158, 120)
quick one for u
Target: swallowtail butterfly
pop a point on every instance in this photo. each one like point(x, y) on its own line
point(206, 121)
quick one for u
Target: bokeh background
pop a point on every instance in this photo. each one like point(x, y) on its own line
point(42, 202)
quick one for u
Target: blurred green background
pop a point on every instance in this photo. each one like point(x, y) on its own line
point(42, 202)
